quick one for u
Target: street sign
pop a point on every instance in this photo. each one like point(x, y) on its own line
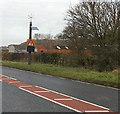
point(30, 45)
point(30, 48)
point(31, 42)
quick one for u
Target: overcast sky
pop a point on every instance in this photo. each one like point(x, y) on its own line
point(48, 16)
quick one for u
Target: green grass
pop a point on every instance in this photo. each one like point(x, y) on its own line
point(86, 75)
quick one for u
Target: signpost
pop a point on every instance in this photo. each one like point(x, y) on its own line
point(30, 43)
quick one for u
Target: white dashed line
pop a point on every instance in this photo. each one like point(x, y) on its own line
point(49, 75)
point(63, 99)
point(50, 100)
point(96, 111)
point(40, 91)
point(74, 98)
point(62, 78)
point(72, 80)
point(14, 82)
point(25, 86)
point(13, 78)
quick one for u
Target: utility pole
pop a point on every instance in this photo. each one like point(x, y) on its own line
point(30, 37)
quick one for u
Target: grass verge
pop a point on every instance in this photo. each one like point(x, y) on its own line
point(104, 78)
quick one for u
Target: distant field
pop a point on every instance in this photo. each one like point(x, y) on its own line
point(86, 75)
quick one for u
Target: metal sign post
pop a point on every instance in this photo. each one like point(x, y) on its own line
point(30, 42)
point(30, 37)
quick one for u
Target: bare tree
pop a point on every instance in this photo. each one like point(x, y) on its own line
point(96, 21)
point(93, 24)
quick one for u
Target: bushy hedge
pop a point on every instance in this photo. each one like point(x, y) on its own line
point(15, 56)
point(52, 58)
point(103, 62)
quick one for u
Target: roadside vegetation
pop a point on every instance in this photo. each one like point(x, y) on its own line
point(92, 34)
point(94, 27)
point(86, 75)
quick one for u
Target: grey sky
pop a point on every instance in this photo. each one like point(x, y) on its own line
point(48, 16)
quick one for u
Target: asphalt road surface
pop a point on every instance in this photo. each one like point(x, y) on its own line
point(16, 100)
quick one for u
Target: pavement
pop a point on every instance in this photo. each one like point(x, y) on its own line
point(16, 100)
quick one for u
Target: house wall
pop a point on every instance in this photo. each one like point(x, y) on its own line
point(11, 49)
point(41, 48)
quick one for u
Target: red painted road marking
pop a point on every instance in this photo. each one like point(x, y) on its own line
point(61, 99)
point(40, 91)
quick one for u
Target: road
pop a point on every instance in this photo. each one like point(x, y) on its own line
point(16, 100)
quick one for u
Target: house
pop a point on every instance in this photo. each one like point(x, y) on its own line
point(40, 48)
point(51, 46)
point(43, 45)
point(21, 48)
point(59, 49)
point(3, 49)
point(53, 49)
point(13, 48)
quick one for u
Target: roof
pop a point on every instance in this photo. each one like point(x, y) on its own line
point(60, 47)
point(13, 45)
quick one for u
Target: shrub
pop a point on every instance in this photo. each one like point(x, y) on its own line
point(103, 62)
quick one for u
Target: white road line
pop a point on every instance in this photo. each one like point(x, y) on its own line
point(43, 88)
point(14, 82)
point(77, 81)
point(67, 96)
point(13, 78)
point(50, 100)
point(40, 91)
point(97, 85)
point(49, 75)
point(96, 111)
point(106, 87)
point(62, 78)
point(84, 82)
point(4, 75)
point(75, 98)
point(63, 99)
point(81, 82)
point(72, 80)
point(25, 86)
